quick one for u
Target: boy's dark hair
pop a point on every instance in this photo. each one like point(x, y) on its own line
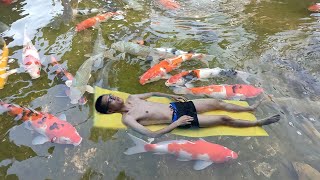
point(101, 107)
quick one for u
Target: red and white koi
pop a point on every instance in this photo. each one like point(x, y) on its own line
point(160, 70)
point(314, 8)
point(93, 21)
point(51, 128)
point(169, 4)
point(83, 100)
point(203, 152)
point(187, 77)
point(8, 2)
point(235, 92)
point(30, 58)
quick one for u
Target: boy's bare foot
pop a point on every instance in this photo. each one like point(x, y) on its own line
point(269, 120)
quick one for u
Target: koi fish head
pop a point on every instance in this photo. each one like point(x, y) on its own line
point(32, 66)
point(229, 155)
point(177, 80)
point(62, 132)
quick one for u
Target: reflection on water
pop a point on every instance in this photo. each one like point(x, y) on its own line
point(278, 41)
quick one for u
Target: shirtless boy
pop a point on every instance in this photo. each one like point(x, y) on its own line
point(138, 112)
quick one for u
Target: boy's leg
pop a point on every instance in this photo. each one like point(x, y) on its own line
point(208, 121)
point(205, 105)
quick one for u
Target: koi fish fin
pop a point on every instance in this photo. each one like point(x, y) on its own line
point(89, 89)
point(3, 109)
point(68, 83)
point(180, 90)
point(82, 101)
point(138, 148)
point(18, 117)
point(182, 159)
point(27, 125)
point(41, 139)
point(62, 117)
point(189, 85)
point(199, 165)
point(8, 73)
point(167, 76)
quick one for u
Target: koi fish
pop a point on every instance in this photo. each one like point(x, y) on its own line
point(144, 51)
point(235, 92)
point(169, 4)
point(79, 85)
point(69, 76)
point(3, 65)
point(160, 70)
point(314, 8)
point(51, 128)
point(98, 50)
point(201, 151)
point(93, 21)
point(186, 77)
point(82, 12)
point(30, 58)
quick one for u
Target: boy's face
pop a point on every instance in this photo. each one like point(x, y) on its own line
point(113, 103)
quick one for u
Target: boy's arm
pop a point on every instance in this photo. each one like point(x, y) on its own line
point(147, 95)
point(132, 123)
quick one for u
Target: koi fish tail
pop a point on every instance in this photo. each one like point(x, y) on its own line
point(181, 90)
point(138, 148)
point(3, 108)
point(244, 76)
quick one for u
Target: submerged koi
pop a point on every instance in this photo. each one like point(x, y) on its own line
point(51, 128)
point(161, 69)
point(186, 77)
point(83, 100)
point(235, 92)
point(203, 152)
point(93, 21)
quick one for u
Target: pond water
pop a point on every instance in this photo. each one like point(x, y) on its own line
point(278, 41)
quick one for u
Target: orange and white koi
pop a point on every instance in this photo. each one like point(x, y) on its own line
point(160, 70)
point(169, 4)
point(93, 21)
point(51, 128)
point(235, 92)
point(201, 151)
point(186, 77)
point(8, 2)
point(69, 76)
point(314, 8)
point(30, 58)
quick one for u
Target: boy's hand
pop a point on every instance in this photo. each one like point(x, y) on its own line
point(179, 98)
point(184, 120)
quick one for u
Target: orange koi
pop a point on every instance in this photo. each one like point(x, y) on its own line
point(235, 92)
point(95, 20)
point(160, 70)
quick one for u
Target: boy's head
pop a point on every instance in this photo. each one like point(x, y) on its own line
point(108, 104)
